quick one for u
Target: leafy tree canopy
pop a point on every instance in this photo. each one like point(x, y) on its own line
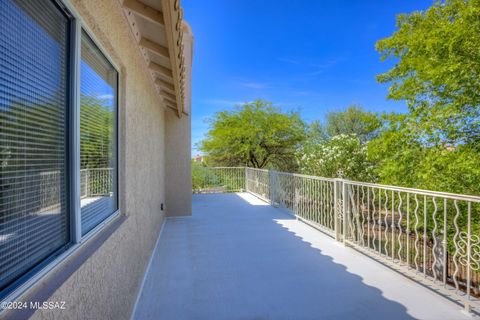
point(401, 158)
point(316, 133)
point(438, 69)
point(337, 147)
point(353, 121)
point(396, 152)
point(256, 134)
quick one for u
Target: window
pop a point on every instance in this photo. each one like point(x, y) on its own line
point(39, 205)
point(98, 89)
point(33, 128)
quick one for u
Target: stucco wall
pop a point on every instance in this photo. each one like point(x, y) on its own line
point(105, 286)
point(178, 165)
point(178, 144)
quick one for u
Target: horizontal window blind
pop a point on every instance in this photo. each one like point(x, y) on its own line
point(34, 63)
point(98, 142)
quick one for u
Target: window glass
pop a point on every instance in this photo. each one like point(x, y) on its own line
point(34, 86)
point(98, 154)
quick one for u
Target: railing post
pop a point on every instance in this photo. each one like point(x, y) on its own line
point(296, 198)
point(244, 185)
point(337, 208)
point(345, 211)
point(273, 186)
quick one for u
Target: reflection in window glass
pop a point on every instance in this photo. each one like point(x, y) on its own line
point(33, 129)
point(98, 142)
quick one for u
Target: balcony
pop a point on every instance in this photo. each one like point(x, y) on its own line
point(303, 247)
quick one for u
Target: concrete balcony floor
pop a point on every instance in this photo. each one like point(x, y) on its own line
point(239, 258)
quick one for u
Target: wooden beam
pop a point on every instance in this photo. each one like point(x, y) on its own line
point(160, 69)
point(162, 88)
point(168, 94)
point(154, 47)
point(145, 11)
point(173, 15)
point(172, 102)
point(171, 107)
point(164, 84)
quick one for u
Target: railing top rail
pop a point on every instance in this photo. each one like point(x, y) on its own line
point(224, 167)
point(257, 169)
point(306, 176)
point(294, 174)
point(423, 192)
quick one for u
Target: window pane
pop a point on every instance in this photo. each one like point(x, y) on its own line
point(98, 158)
point(33, 134)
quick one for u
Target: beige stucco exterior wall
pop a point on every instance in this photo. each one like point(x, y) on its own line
point(178, 165)
point(178, 145)
point(106, 285)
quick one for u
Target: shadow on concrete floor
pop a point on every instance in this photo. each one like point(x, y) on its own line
point(238, 258)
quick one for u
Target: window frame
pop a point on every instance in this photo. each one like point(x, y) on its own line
point(76, 241)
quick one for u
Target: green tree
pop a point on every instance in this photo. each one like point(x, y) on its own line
point(437, 69)
point(353, 121)
point(452, 169)
point(337, 148)
point(436, 145)
point(316, 133)
point(256, 134)
point(396, 152)
point(403, 158)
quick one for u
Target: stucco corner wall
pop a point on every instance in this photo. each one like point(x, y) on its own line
point(178, 143)
point(178, 169)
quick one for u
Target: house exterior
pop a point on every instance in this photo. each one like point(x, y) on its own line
point(95, 158)
point(95, 102)
point(198, 158)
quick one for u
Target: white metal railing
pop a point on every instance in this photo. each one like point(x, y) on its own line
point(434, 237)
point(217, 179)
point(257, 181)
point(310, 198)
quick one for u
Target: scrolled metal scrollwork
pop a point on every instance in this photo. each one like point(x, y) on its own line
point(462, 250)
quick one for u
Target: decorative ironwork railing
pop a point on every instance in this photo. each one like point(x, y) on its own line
point(434, 237)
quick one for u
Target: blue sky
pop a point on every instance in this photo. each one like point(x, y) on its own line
point(311, 56)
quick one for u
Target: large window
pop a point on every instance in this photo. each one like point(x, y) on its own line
point(50, 195)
